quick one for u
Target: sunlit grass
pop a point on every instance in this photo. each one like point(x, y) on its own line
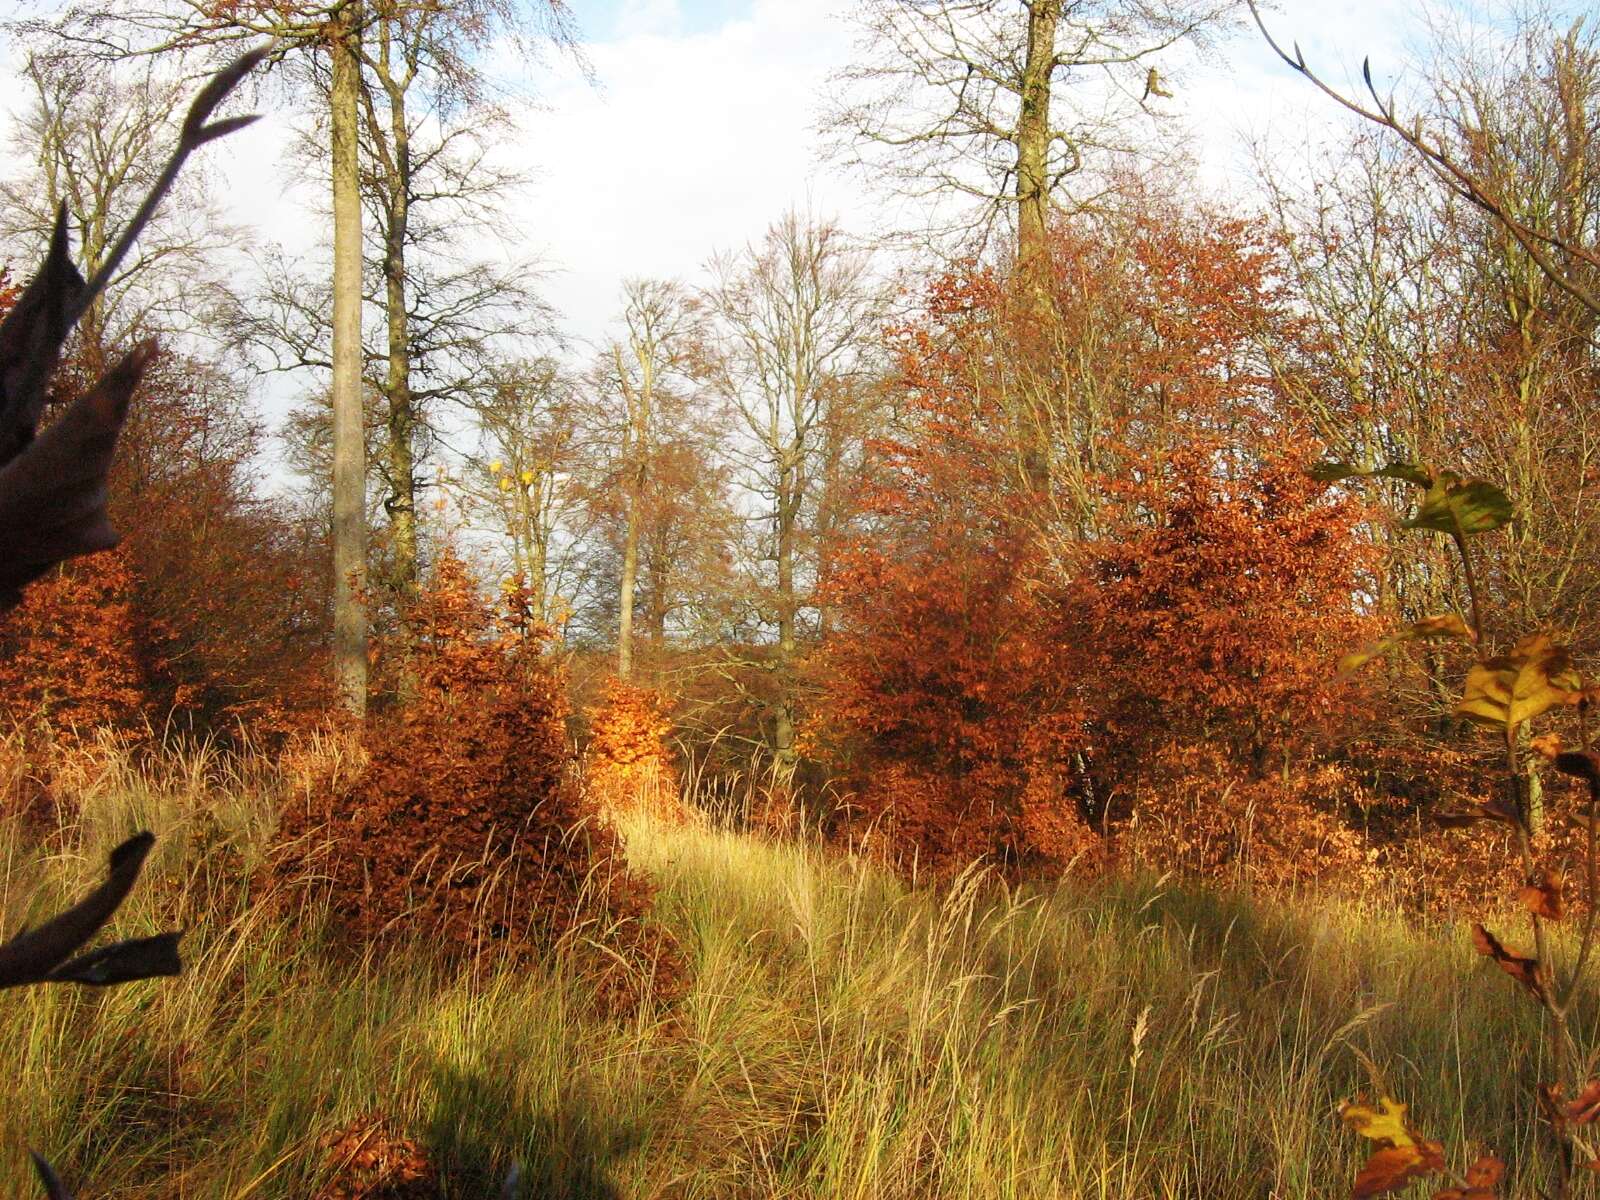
point(841, 1035)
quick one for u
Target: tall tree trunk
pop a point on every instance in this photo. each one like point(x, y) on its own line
point(1033, 141)
point(788, 642)
point(401, 503)
point(640, 403)
point(630, 576)
point(349, 447)
point(1038, 386)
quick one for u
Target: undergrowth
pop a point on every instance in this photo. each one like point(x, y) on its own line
point(840, 1035)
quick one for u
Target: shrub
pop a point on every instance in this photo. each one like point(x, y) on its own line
point(628, 766)
point(464, 825)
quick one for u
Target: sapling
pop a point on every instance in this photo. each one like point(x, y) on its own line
point(1503, 694)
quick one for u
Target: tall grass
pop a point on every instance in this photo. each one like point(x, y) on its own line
point(841, 1036)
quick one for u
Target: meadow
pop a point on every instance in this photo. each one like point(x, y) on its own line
point(836, 1033)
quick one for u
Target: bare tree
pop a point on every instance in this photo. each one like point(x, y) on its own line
point(1011, 102)
point(791, 322)
point(1471, 157)
point(339, 30)
point(85, 137)
point(638, 370)
point(530, 475)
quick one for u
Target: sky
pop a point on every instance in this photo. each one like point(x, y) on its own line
point(697, 129)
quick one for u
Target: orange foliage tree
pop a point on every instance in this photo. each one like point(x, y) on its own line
point(68, 652)
point(1019, 650)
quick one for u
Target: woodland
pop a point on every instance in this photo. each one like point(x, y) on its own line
point(1089, 697)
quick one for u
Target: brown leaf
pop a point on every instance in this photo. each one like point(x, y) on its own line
point(48, 1179)
point(1584, 764)
point(53, 492)
point(33, 956)
point(1524, 970)
point(1584, 1108)
point(1544, 898)
point(1392, 1167)
point(1491, 810)
point(1482, 1178)
point(1546, 745)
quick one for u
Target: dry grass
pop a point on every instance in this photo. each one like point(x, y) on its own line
point(842, 1036)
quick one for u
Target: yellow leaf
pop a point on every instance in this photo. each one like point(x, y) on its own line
point(1385, 1123)
point(1509, 689)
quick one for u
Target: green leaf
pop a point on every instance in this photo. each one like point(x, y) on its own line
point(1454, 504)
point(1446, 625)
point(1509, 689)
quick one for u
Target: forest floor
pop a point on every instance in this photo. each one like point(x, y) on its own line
point(839, 1035)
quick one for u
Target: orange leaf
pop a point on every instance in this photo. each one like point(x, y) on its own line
point(1543, 899)
point(1584, 1108)
point(1392, 1167)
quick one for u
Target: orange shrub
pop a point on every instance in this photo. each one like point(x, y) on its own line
point(628, 766)
point(463, 826)
point(69, 653)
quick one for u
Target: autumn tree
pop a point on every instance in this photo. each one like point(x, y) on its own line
point(338, 31)
point(988, 668)
point(639, 369)
point(791, 321)
point(84, 140)
point(529, 478)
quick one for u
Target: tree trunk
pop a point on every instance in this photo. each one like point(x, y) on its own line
point(630, 575)
point(788, 643)
point(401, 503)
point(349, 447)
point(1033, 141)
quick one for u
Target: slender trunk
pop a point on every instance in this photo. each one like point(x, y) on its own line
point(630, 574)
point(402, 417)
point(349, 449)
point(783, 723)
point(1037, 387)
point(636, 436)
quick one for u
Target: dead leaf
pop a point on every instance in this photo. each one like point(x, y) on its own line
point(1544, 898)
point(1524, 970)
point(1584, 1108)
point(1392, 1167)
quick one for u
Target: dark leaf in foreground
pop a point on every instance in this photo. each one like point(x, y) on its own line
point(123, 962)
point(30, 341)
point(1524, 970)
point(53, 493)
point(53, 1187)
point(30, 957)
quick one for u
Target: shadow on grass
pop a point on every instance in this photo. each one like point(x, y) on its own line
point(481, 1126)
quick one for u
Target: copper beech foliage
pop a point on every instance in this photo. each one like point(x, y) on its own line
point(465, 825)
point(628, 765)
point(1032, 671)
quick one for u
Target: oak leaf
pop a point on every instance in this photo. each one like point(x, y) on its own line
point(1482, 1178)
point(1544, 898)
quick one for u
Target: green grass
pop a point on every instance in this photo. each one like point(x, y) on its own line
point(841, 1036)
